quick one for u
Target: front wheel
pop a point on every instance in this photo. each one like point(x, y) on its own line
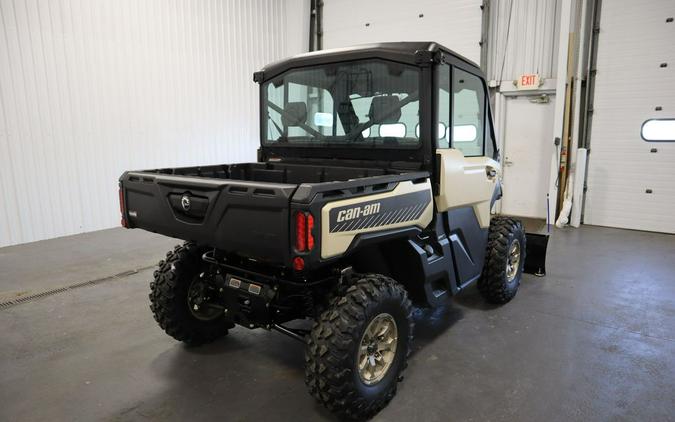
point(359, 347)
point(504, 260)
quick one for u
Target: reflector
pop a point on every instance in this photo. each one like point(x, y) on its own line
point(298, 263)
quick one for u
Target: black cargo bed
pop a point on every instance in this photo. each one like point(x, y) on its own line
point(238, 208)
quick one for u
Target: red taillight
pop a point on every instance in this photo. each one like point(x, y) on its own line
point(310, 228)
point(300, 232)
point(304, 225)
point(122, 211)
point(304, 238)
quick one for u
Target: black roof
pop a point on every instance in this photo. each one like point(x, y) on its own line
point(411, 52)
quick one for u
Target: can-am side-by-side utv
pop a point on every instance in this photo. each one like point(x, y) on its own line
point(376, 175)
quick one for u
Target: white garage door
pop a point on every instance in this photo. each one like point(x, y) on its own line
point(455, 24)
point(631, 182)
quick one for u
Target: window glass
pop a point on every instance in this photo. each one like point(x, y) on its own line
point(361, 103)
point(309, 105)
point(441, 131)
point(658, 130)
point(444, 106)
point(394, 130)
point(468, 113)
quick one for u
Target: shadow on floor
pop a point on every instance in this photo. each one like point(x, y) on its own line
point(195, 375)
point(433, 322)
point(472, 299)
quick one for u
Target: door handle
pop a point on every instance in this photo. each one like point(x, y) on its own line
point(491, 172)
point(508, 163)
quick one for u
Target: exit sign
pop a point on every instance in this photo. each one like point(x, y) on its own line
point(528, 81)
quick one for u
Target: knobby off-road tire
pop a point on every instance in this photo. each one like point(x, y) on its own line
point(334, 344)
point(169, 298)
point(501, 276)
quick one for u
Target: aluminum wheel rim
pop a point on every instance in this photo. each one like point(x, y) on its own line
point(377, 349)
point(513, 261)
point(198, 301)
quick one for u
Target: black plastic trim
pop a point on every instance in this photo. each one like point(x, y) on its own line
point(403, 52)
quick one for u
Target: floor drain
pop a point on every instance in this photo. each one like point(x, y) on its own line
point(7, 303)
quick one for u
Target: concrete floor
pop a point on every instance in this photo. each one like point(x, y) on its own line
point(594, 340)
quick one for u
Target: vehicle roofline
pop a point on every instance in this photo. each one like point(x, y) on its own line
point(403, 52)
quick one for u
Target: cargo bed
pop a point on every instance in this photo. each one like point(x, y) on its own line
point(239, 208)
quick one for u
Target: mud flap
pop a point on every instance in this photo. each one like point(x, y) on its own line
point(535, 259)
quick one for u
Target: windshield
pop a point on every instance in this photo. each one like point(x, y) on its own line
point(362, 103)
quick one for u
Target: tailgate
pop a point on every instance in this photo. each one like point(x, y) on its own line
point(247, 218)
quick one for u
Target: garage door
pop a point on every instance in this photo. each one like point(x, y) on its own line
point(454, 24)
point(630, 180)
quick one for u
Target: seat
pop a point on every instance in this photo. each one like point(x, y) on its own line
point(295, 114)
point(385, 109)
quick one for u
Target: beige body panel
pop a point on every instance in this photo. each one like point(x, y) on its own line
point(336, 243)
point(465, 182)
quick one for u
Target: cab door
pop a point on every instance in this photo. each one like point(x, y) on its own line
point(468, 176)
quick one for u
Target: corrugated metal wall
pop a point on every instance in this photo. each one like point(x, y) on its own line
point(630, 181)
point(455, 24)
point(522, 38)
point(89, 89)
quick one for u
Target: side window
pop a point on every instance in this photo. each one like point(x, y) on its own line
point(468, 113)
point(444, 106)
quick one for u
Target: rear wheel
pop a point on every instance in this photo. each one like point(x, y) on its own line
point(181, 298)
point(358, 349)
point(504, 260)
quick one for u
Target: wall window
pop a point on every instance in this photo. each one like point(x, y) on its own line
point(468, 113)
point(658, 130)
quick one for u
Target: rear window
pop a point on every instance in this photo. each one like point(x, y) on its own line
point(362, 103)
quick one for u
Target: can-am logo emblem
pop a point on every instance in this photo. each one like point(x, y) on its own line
point(357, 212)
point(185, 202)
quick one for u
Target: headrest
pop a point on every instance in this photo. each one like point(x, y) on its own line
point(385, 109)
point(294, 114)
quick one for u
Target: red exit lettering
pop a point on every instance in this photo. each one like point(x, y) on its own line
point(527, 80)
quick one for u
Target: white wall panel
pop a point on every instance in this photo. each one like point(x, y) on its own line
point(455, 24)
point(90, 88)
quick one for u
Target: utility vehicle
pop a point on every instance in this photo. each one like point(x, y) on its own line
point(376, 174)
